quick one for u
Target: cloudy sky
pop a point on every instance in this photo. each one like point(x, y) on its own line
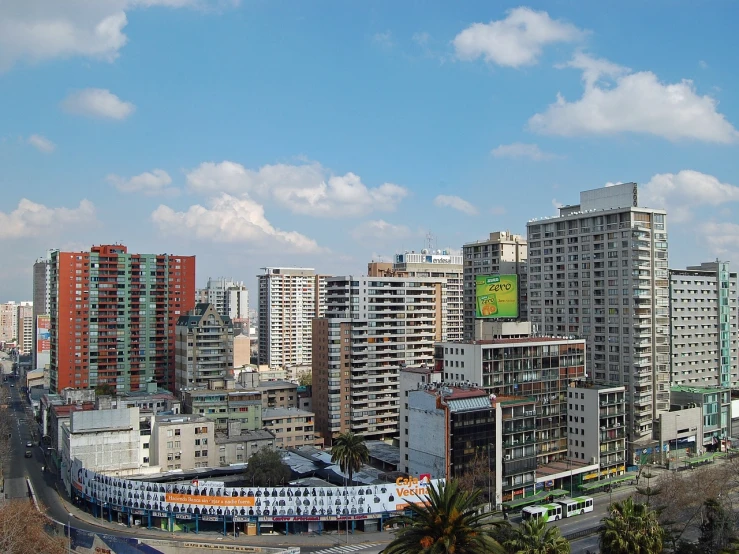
point(325, 134)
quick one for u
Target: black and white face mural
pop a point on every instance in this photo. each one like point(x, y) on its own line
point(267, 502)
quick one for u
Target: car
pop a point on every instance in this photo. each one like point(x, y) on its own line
point(12, 385)
point(29, 445)
point(29, 454)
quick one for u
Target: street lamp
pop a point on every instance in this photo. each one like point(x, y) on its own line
point(69, 530)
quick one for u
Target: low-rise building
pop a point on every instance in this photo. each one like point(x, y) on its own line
point(183, 442)
point(278, 394)
point(238, 448)
point(604, 443)
point(225, 405)
point(291, 427)
point(105, 441)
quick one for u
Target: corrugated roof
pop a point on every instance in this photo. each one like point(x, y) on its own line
point(470, 403)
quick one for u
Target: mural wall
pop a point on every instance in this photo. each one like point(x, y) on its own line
point(213, 502)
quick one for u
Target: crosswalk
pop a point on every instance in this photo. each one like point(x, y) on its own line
point(347, 548)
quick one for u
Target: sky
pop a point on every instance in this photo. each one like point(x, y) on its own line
point(326, 134)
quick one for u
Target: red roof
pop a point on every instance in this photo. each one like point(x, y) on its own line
point(67, 409)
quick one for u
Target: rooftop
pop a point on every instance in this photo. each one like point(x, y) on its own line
point(698, 390)
point(276, 384)
point(65, 410)
point(384, 452)
point(245, 436)
point(420, 370)
point(181, 418)
point(519, 340)
point(270, 413)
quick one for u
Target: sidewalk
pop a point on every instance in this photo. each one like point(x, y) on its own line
point(309, 539)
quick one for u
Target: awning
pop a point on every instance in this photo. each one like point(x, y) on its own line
point(533, 499)
point(606, 482)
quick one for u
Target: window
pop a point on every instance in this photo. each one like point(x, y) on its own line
point(197, 453)
point(176, 432)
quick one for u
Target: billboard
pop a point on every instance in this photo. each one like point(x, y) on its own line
point(43, 334)
point(496, 296)
point(214, 503)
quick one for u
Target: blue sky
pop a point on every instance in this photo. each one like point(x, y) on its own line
point(326, 134)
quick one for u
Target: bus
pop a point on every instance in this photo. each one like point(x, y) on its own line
point(547, 512)
point(576, 506)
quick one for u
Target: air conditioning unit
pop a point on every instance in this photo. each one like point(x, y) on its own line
point(507, 457)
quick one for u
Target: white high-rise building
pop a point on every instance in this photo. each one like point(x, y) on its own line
point(704, 336)
point(373, 327)
point(442, 264)
point(230, 298)
point(599, 271)
point(289, 298)
point(503, 253)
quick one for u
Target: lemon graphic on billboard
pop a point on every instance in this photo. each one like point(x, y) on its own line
point(496, 296)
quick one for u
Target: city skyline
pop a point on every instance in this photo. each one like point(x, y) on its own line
point(273, 147)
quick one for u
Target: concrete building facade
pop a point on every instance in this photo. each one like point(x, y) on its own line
point(374, 326)
point(704, 338)
point(41, 294)
point(604, 443)
point(289, 298)
point(25, 325)
point(291, 427)
point(204, 347)
point(183, 442)
point(599, 270)
point(230, 298)
point(503, 253)
point(113, 317)
point(225, 407)
point(237, 449)
point(411, 378)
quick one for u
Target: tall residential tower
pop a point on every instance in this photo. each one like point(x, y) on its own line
point(113, 316)
point(598, 270)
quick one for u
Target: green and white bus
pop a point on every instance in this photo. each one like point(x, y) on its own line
point(547, 512)
point(576, 506)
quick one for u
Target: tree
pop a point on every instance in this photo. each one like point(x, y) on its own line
point(717, 528)
point(350, 452)
point(448, 522)
point(534, 536)
point(631, 528)
point(23, 530)
point(305, 379)
point(265, 467)
point(476, 475)
point(105, 389)
point(648, 491)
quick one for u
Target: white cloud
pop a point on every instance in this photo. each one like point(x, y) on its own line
point(229, 219)
point(516, 40)
point(383, 40)
point(679, 193)
point(456, 203)
point(97, 102)
point(612, 184)
point(308, 189)
point(556, 204)
point(421, 38)
point(615, 100)
point(39, 30)
point(498, 210)
point(518, 150)
point(150, 183)
point(41, 143)
point(722, 238)
point(30, 219)
point(702, 64)
point(380, 230)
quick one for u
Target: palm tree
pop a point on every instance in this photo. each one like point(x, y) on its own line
point(631, 528)
point(449, 522)
point(534, 536)
point(350, 452)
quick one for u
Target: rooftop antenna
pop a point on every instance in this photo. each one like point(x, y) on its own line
point(431, 241)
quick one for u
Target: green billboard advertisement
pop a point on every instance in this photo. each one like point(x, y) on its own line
point(496, 296)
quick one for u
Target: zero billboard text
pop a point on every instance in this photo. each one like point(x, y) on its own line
point(496, 296)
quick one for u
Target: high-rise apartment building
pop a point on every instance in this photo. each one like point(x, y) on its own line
point(374, 326)
point(503, 253)
point(113, 316)
point(25, 325)
point(8, 321)
point(230, 298)
point(432, 263)
point(599, 271)
point(704, 336)
point(204, 347)
point(289, 298)
point(41, 293)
